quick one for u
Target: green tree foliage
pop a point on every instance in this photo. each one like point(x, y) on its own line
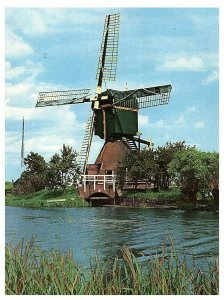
point(192, 170)
point(136, 166)
point(163, 156)
point(34, 178)
point(53, 172)
point(149, 165)
point(61, 171)
point(211, 159)
point(196, 171)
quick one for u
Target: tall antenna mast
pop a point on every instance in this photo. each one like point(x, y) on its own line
point(22, 146)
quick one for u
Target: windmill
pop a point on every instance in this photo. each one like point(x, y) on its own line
point(114, 114)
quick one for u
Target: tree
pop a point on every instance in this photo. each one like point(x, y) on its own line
point(53, 172)
point(34, 178)
point(63, 169)
point(163, 156)
point(211, 160)
point(150, 165)
point(195, 171)
point(128, 168)
point(58, 173)
point(136, 166)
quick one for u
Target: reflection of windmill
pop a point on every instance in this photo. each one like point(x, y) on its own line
point(114, 113)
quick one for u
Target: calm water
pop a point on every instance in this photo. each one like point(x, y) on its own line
point(106, 229)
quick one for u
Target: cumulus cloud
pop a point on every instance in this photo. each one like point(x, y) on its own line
point(38, 21)
point(143, 120)
point(43, 143)
point(213, 76)
point(199, 125)
point(195, 62)
point(191, 109)
point(15, 46)
point(183, 63)
point(27, 68)
point(180, 121)
point(159, 124)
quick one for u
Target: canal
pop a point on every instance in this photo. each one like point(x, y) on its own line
point(103, 230)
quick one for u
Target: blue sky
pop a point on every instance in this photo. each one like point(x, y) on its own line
point(58, 49)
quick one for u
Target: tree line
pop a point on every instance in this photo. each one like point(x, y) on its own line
point(192, 170)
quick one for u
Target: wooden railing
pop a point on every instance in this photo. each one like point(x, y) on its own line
point(105, 180)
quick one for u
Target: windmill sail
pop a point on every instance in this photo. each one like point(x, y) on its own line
point(86, 144)
point(107, 64)
point(142, 98)
point(62, 97)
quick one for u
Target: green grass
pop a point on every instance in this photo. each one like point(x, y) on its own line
point(40, 199)
point(151, 197)
point(30, 271)
point(8, 186)
point(172, 197)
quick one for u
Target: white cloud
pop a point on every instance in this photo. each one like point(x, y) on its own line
point(191, 109)
point(199, 124)
point(143, 120)
point(182, 63)
point(38, 21)
point(28, 68)
point(180, 121)
point(15, 46)
point(159, 124)
point(164, 124)
point(24, 92)
point(210, 22)
point(195, 62)
point(213, 76)
point(44, 144)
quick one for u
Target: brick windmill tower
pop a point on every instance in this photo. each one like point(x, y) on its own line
point(114, 117)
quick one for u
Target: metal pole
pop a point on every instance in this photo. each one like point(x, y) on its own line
point(22, 146)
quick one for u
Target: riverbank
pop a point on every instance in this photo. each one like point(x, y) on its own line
point(170, 199)
point(53, 273)
point(46, 198)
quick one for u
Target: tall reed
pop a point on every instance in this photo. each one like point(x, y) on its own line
point(31, 271)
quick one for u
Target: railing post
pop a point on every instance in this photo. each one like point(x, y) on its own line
point(84, 181)
point(94, 182)
point(113, 180)
point(104, 182)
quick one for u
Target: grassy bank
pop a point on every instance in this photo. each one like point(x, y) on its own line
point(30, 271)
point(46, 198)
point(170, 198)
